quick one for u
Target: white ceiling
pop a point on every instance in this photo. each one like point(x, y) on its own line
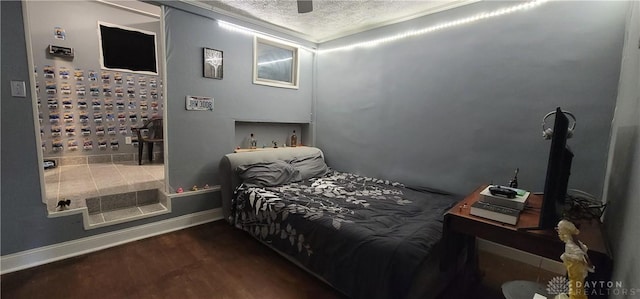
point(330, 19)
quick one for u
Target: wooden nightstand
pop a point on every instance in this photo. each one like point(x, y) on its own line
point(461, 228)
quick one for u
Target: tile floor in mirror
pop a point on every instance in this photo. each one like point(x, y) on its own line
point(79, 182)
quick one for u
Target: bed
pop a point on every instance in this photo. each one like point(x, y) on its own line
point(366, 237)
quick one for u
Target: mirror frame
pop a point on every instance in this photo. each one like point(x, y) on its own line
point(295, 64)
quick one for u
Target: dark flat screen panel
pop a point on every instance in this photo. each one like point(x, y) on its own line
point(128, 49)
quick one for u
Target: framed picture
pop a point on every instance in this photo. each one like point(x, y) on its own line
point(275, 63)
point(212, 64)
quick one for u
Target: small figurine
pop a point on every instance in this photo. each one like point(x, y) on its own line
point(275, 144)
point(294, 139)
point(63, 204)
point(514, 182)
point(194, 188)
point(206, 186)
point(574, 258)
point(253, 143)
point(180, 190)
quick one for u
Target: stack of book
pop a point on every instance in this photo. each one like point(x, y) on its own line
point(501, 208)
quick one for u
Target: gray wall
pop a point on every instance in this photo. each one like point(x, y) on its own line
point(460, 107)
point(19, 168)
point(623, 184)
point(200, 139)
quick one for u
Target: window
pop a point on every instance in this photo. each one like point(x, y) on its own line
point(275, 63)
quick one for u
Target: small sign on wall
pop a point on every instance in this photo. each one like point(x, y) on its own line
point(199, 103)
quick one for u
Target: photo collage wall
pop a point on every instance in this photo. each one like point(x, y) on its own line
point(92, 112)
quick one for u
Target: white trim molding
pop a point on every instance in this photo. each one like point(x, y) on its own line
point(212, 189)
point(47, 254)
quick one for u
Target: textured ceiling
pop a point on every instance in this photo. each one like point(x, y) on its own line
point(331, 19)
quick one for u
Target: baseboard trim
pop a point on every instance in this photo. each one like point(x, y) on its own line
point(47, 254)
point(521, 256)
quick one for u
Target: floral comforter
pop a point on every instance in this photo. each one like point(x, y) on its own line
point(365, 236)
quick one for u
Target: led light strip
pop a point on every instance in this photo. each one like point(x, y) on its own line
point(237, 28)
point(467, 20)
point(412, 33)
point(244, 30)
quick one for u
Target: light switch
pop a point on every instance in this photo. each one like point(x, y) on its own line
point(18, 89)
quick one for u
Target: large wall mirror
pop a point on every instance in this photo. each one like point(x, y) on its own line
point(275, 63)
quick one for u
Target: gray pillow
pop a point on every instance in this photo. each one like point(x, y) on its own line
point(268, 174)
point(310, 166)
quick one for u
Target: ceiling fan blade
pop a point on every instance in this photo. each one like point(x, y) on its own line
point(305, 6)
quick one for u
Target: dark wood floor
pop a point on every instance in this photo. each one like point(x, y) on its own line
point(212, 260)
point(207, 261)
